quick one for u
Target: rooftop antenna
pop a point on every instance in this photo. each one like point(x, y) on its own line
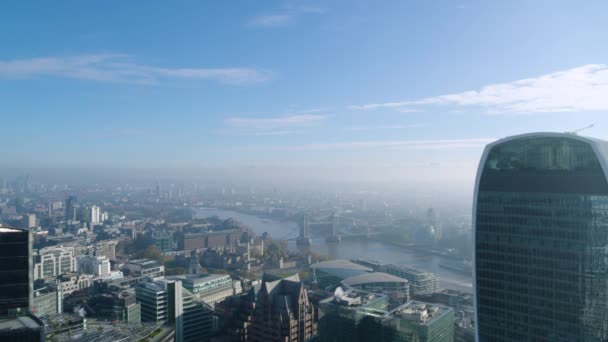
point(582, 129)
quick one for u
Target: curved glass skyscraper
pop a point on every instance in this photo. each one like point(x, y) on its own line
point(541, 239)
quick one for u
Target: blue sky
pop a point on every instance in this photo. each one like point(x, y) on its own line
point(376, 89)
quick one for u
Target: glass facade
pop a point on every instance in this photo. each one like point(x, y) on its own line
point(15, 272)
point(541, 242)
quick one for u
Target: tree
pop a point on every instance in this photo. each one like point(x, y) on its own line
point(151, 252)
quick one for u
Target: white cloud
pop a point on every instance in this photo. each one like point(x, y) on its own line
point(291, 12)
point(391, 144)
point(273, 123)
point(273, 20)
point(273, 133)
point(120, 68)
point(583, 88)
point(381, 127)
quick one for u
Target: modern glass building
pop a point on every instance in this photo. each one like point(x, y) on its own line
point(541, 239)
point(16, 283)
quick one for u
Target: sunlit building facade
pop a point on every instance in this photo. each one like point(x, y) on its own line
point(541, 237)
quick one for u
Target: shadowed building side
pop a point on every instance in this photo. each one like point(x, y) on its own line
point(541, 237)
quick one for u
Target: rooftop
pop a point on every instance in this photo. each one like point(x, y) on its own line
point(23, 322)
point(198, 278)
point(143, 262)
point(419, 312)
point(375, 277)
point(341, 264)
point(353, 298)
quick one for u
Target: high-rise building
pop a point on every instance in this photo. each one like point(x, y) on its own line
point(29, 221)
point(16, 288)
point(70, 208)
point(541, 231)
point(16, 281)
point(95, 215)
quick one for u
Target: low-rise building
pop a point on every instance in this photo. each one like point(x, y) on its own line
point(396, 288)
point(47, 301)
point(275, 310)
point(145, 267)
point(331, 273)
point(358, 316)
point(118, 305)
point(71, 282)
point(53, 261)
point(96, 265)
point(210, 288)
point(420, 282)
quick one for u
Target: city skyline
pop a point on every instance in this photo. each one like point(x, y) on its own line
point(404, 92)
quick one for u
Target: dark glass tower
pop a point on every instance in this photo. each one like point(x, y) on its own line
point(541, 239)
point(15, 272)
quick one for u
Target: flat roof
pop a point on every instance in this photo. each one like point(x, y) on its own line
point(375, 277)
point(341, 264)
point(23, 322)
point(198, 278)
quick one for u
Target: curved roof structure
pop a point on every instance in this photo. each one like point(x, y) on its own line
point(538, 219)
point(370, 278)
point(341, 264)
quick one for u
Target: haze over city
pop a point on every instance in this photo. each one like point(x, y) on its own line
point(304, 171)
point(405, 92)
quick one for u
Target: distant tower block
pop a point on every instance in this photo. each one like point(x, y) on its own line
point(335, 231)
point(304, 238)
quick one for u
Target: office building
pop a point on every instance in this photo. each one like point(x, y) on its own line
point(540, 239)
point(163, 241)
point(209, 288)
point(70, 208)
point(47, 301)
point(106, 248)
point(354, 316)
point(118, 305)
point(71, 282)
point(420, 282)
point(53, 261)
point(359, 316)
point(213, 240)
point(29, 221)
point(99, 266)
point(16, 283)
point(166, 301)
point(275, 310)
point(396, 288)
point(282, 312)
point(144, 267)
point(94, 215)
point(16, 288)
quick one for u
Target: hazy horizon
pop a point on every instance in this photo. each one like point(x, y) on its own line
point(405, 93)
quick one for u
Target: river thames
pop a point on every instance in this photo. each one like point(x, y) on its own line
point(347, 249)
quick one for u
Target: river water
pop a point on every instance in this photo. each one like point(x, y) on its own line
point(348, 249)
